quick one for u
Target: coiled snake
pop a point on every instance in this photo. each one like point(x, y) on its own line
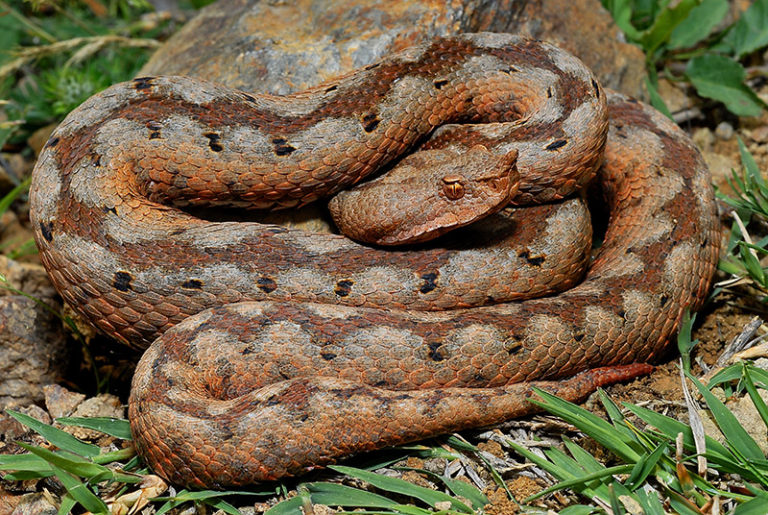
point(339, 349)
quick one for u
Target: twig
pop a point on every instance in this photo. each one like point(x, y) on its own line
point(743, 341)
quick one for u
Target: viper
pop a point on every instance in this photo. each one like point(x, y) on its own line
point(274, 351)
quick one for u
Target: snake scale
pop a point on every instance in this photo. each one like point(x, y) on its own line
point(339, 347)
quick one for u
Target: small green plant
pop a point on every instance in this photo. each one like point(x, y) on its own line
point(691, 32)
point(652, 472)
point(80, 467)
point(750, 203)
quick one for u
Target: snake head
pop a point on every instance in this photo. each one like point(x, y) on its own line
point(427, 194)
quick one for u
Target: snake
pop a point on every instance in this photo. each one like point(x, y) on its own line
point(272, 351)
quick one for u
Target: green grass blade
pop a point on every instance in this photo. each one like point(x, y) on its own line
point(671, 428)
point(758, 401)
point(561, 467)
point(614, 414)
point(726, 375)
point(582, 457)
point(656, 100)
point(332, 494)
point(67, 503)
point(204, 495)
point(685, 343)
point(9, 197)
point(645, 466)
point(395, 485)
point(462, 445)
point(72, 463)
point(119, 428)
point(221, 504)
point(57, 437)
point(752, 171)
point(292, 506)
point(457, 487)
point(581, 481)
point(79, 492)
point(594, 426)
point(729, 424)
point(26, 462)
point(649, 502)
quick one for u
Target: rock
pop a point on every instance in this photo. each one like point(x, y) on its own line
point(59, 401)
point(720, 166)
point(103, 405)
point(27, 277)
point(282, 47)
point(32, 350)
point(724, 130)
point(39, 137)
point(704, 138)
point(676, 99)
point(63, 403)
point(35, 504)
point(760, 134)
point(13, 167)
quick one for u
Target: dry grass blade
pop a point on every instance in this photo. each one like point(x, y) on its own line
point(697, 426)
point(90, 45)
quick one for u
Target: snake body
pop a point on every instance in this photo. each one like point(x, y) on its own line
point(291, 380)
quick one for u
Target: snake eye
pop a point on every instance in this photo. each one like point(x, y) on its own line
point(453, 186)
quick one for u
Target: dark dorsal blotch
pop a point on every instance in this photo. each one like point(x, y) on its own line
point(192, 284)
point(282, 147)
point(597, 88)
point(556, 144)
point(331, 88)
point(249, 98)
point(143, 82)
point(154, 129)
point(46, 229)
point(213, 141)
point(434, 351)
point(370, 122)
point(266, 284)
point(343, 287)
point(122, 281)
point(52, 143)
point(531, 260)
point(440, 83)
point(549, 92)
point(430, 282)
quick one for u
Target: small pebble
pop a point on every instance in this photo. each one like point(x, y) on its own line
point(724, 130)
point(760, 134)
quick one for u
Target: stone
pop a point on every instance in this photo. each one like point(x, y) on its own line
point(724, 131)
point(32, 350)
point(283, 47)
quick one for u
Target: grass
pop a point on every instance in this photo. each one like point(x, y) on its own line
point(656, 463)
